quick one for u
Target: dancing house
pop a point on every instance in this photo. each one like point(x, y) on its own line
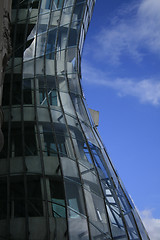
point(57, 181)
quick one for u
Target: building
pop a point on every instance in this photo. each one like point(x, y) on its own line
point(56, 178)
point(5, 50)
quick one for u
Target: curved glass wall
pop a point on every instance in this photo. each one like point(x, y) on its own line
point(56, 179)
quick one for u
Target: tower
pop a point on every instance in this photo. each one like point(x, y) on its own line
point(56, 178)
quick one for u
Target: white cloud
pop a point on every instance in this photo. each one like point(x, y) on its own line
point(146, 90)
point(135, 29)
point(133, 32)
point(151, 224)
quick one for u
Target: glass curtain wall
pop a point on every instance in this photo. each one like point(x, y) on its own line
point(56, 179)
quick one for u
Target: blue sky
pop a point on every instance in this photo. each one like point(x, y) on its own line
point(121, 79)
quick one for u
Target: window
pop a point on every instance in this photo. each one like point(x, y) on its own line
point(27, 94)
point(47, 90)
point(52, 97)
point(49, 141)
point(16, 140)
point(30, 140)
point(3, 153)
point(35, 207)
point(25, 4)
point(57, 198)
point(61, 144)
point(6, 90)
point(74, 197)
point(87, 154)
point(50, 146)
point(17, 197)
point(51, 43)
point(3, 197)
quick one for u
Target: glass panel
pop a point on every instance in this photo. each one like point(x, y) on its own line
point(35, 207)
point(90, 179)
point(70, 170)
point(3, 198)
point(43, 23)
point(4, 151)
point(86, 20)
point(60, 128)
point(46, 4)
point(6, 90)
point(28, 67)
point(43, 114)
point(49, 144)
point(68, 3)
point(61, 142)
point(16, 141)
point(78, 228)
point(58, 121)
point(97, 234)
point(57, 198)
point(17, 197)
point(19, 39)
point(77, 101)
point(73, 34)
point(40, 45)
point(67, 103)
point(25, 4)
point(50, 48)
point(54, 20)
point(99, 162)
point(62, 37)
point(74, 127)
point(60, 62)
point(87, 153)
point(74, 199)
point(96, 211)
point(143, 232)
point(81, 41)
point(78, 10)
point(50, 141)
point(30, 140)
point(74, 83)
point(66, 16)
point(42, 97)
point(71, 60)
point(51, 82)
point(6, 94)
point(82, 153)
point(62, 82)
point(131, 227)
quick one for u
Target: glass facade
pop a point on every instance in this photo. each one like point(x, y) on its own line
point(56, 179)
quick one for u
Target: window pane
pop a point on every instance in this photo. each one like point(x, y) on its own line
point(35, 207)
point(74, 199)
point(30, 140)
point(17, 201)
point(57, 198)
point(78, 229)
point(3, 198)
